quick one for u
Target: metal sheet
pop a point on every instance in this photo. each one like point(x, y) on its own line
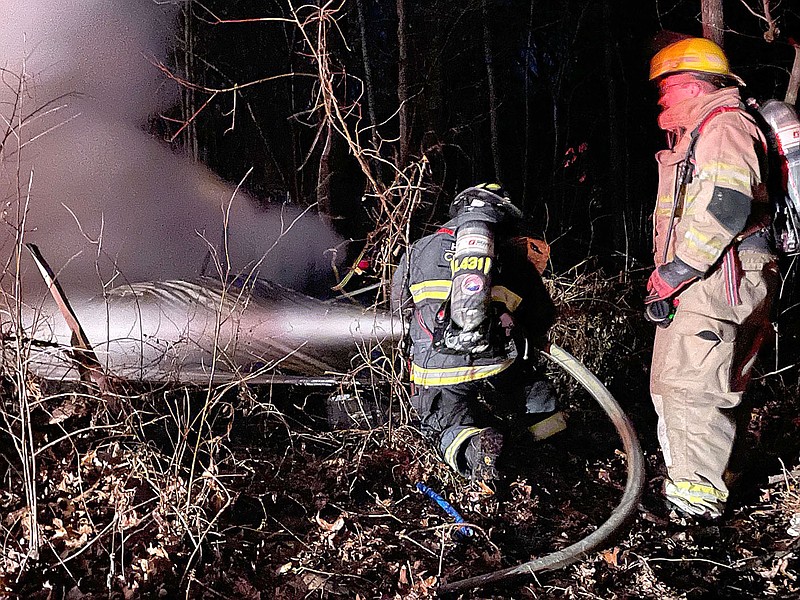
point(200, 331)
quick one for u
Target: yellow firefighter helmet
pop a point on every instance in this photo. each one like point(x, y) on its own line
point(697, 55)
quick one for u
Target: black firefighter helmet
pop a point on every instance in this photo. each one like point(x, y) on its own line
point(484, 202)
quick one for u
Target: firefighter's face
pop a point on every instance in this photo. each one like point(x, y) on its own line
point(676, 88)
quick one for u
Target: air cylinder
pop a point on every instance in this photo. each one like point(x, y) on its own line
point(471, 269)
point(785, 126)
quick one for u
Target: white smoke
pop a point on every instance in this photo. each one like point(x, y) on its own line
point(77, 75)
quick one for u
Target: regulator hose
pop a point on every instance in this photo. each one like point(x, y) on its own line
point(621, 515)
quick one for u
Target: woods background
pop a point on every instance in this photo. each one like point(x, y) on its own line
point(549, 98)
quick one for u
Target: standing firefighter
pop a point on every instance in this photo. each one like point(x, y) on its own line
point(715, 271)
point(477, 310)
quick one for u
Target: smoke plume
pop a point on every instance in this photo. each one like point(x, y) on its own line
point(107, 200)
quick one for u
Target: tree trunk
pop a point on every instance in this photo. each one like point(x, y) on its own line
point(189, 106)
point(527, 91)
point(794, 78)
point(402, 82)
point(324, 207)
point(617, 158)
point(713, 21)
point(487, 51)
point(373, 122)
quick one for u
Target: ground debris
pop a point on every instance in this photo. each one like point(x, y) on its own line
point(263, 505)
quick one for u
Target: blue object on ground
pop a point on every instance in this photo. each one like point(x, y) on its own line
point(462, 532)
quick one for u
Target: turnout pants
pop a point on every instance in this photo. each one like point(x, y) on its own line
point(448, 414)
point(701, 367)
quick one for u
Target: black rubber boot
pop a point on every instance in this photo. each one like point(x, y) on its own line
point(482, 453)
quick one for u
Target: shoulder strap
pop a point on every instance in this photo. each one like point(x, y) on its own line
point(699, 129)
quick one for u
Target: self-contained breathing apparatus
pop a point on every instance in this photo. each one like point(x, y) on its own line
point(466, 320)
point(783, 135)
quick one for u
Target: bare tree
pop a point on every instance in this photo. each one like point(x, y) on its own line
point(324, 201)
point(527, 91)
point(794, 78)
point(713, 21)
point(362, 25)
point(186, 59)
point(490, 82)
point(771, 34)
point(402, 82)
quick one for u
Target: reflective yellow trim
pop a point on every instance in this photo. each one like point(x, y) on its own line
point(548, 427)
point(707, 246)
point(506, 296)
point(433, 289)
point(451, 452)
point(439, 289)
point(664, 206)
point(726, 175)
point(695, 492)
point(452, 376)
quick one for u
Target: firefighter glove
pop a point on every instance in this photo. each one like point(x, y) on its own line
point(668, 279)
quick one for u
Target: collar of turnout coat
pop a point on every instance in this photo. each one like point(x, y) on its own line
point(686, 115)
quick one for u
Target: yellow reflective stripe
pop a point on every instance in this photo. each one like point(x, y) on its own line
point(506, 296)
point(452, 376)
point(695, 492)
point(451, 452)
point(433, 289)
point(727, 175)
point(664, 207)
point(439, 289)
point(705, 245)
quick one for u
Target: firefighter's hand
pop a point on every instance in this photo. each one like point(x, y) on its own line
point(667, 280)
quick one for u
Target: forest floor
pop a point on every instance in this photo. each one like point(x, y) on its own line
point(290, 511)
point(271, 502)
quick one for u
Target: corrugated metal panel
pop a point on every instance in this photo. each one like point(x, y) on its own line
point(199, 331)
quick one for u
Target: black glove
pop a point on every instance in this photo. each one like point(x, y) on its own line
point(466, 342)
point(668, 279)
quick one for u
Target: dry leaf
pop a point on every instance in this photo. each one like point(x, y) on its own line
point(331, 527)
point(313, 582)
point(62, 413)
point(485, 489)
point(157, 551)
point(611, 556)
point(403, 578)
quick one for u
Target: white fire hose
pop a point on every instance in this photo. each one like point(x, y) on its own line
point(619, 517)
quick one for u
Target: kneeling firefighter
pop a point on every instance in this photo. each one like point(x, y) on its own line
point(477, 309)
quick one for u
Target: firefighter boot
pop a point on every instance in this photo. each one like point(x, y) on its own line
point(483, 450)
